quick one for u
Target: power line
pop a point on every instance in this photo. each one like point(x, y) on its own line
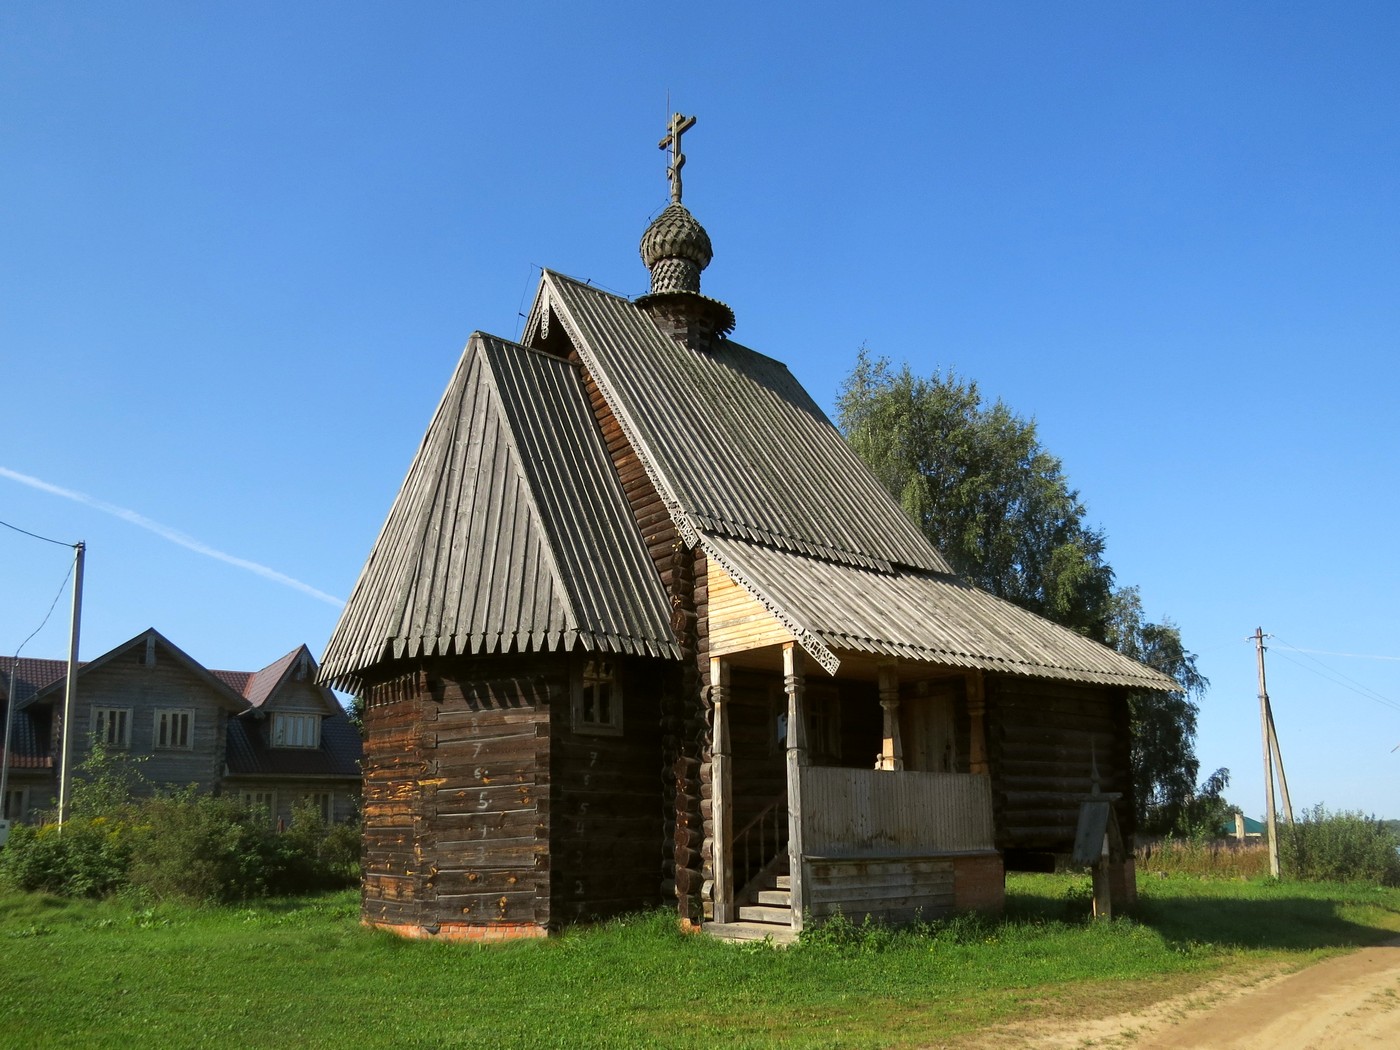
point(1338, 678)
point(1353, 656)
point(52, 605)
point(36, 536)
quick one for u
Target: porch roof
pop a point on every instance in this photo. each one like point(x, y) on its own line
point(923, 616)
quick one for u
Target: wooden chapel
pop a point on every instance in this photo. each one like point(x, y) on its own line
point(640, 629)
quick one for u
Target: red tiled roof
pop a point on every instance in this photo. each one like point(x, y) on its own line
point(31, 676)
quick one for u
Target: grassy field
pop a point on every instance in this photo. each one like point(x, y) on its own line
point(304, 974)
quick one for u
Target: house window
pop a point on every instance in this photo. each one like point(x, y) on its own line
point(324, 801)
point(296, 730)
point(16, 803)
point(112, 726)
point(175, 729)
point(263, 802)
point(598, 699)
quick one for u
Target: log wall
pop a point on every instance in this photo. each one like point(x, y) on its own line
point(607, 827)
point(457, 792)
point(684, 730)
point(1043, 739)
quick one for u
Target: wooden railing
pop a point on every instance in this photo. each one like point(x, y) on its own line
point(863, 812)
point(760, 841)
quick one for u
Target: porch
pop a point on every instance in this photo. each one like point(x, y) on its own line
point(813, 807)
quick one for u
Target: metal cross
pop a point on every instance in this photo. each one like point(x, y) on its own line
point(679, 126)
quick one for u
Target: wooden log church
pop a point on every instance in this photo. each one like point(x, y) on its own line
point(640, 629)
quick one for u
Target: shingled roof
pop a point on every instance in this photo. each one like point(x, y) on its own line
point(510, 533)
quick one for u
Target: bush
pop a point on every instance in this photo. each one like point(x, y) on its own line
point(87, 857)
point(1339, 847)
point(182, 846)
point(201, 848)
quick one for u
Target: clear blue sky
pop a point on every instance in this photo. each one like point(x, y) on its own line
point(243, 244)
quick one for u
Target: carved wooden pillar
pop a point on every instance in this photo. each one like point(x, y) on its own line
point(722, 793)
point(892, 752)
point(977, 717)
point(793, 684)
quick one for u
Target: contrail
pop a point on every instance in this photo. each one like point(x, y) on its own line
point(173, 535)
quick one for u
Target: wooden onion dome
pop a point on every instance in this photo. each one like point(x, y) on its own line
point(675, 248)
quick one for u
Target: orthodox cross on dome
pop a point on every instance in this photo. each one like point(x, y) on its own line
point(679, 126)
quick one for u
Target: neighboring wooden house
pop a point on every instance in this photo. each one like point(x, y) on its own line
point(640, 627)
point(273, 736)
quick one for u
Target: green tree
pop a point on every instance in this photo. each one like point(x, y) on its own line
point(975, 478)
point(977, 481)
point(1164, 723)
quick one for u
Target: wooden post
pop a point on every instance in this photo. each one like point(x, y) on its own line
point(1270, 818)
point(977, 717)
point(796, 760)
point(70, 693)
point(722, 793)
point(892, 752)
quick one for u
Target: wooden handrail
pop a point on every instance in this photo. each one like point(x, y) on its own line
point(760, 840)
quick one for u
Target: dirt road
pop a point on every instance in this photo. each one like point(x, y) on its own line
point(1351, 1001)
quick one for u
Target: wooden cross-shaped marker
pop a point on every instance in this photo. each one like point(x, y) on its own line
point(679, 126)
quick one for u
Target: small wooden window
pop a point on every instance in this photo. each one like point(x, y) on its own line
point(598, 699)
point(112, 726)
point(261, 802)
point(16, 803)
point(174, 730)
point(324, 801)
point(299, 730)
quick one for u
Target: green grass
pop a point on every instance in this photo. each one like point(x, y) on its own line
point(304, 973)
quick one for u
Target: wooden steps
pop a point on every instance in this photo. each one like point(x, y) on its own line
point(769, 916)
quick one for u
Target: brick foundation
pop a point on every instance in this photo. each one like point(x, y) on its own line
point(461, 931)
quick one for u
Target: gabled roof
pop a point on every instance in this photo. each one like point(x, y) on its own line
point(31, 675)
point(261, 686)
point(227, 695)
point(511, 531)
point(753, 471)
point(732, 441)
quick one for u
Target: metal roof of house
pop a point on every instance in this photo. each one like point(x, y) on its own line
point(922, 616)
point(733, 442)
point(250, 752)
point(511, 531)
point(752, 469)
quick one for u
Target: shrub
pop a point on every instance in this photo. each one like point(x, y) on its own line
point(1205, 858)
point(201, 848)
point(87, 857)
point(1339, 847)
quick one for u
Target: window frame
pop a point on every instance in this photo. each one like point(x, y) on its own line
point(100, 722)
point(172, 715)
point(19, 794)
point(587, 691)
point(261, 801)
point(277, 736)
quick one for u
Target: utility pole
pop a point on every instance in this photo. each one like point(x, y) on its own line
point(70, 695)
point(1266, 728)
